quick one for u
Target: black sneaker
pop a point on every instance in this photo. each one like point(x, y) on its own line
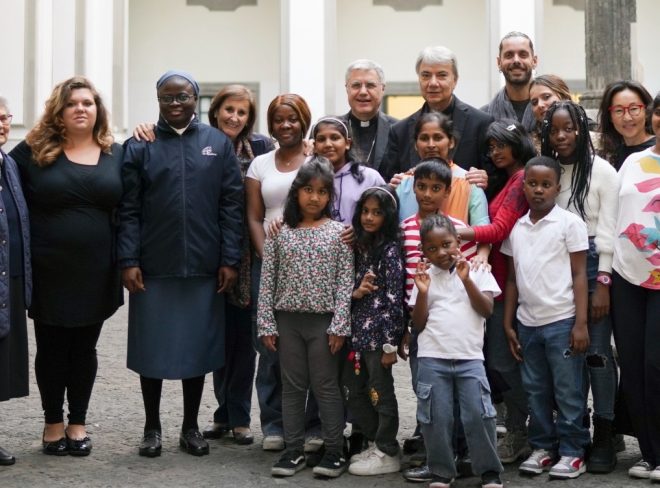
point(418, 475)
point(332, 465)
point(491, 479)
point(289, 464)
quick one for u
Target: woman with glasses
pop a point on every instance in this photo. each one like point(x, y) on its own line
point(179, 250)
point(70, 169)
point(624, 125)
point(15, 277)
point(233, 111)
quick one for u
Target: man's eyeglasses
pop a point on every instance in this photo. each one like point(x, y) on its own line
point(6, 119)
point(369, 85)
point(181, 98)
point(634, 109)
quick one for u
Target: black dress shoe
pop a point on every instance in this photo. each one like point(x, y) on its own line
point(6, 459)
point(193, 443)
point(151, 444)
point(55, 448)
point(79, 447)
point(215, 431)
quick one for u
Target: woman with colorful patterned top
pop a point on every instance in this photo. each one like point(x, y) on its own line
point(636, 297)
point(304, 311)
point(377, 327)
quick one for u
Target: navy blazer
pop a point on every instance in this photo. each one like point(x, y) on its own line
point(382, 135)
point(470, 125)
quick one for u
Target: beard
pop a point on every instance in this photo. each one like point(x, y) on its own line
point(518, 81)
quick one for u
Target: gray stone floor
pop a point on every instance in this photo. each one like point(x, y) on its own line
point(115, 425)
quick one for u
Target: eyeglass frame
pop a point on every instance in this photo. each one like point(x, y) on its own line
point(6, 119)
point(164, 99)
point(500, 146)
point(613, 108)
point(368, 85)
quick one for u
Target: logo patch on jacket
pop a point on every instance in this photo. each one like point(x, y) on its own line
point(208, 151)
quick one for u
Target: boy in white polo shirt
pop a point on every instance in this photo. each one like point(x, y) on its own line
point(547, 281)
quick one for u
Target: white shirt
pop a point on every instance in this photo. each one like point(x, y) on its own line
point(275, 185)
point(541, 258)
point(454, 330)
point(637, 243)
point(599, 206)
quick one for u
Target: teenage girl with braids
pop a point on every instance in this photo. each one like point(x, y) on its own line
point(589, 190)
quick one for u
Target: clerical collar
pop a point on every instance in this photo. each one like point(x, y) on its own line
point(447, 111)
point(363, 123)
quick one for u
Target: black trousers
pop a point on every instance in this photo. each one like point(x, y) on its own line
point(636, 321)
point(66, 363)
point(370, 397)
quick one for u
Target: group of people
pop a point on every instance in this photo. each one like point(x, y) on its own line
point(495, 249)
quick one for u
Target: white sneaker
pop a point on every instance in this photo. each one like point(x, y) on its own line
point(537, 462)
point(363, 454)
point(655, 474)
point(513, 446)
point(313, 444)
point(377, 462)
point(641, 469)
point(273, 443)
point(568, 467)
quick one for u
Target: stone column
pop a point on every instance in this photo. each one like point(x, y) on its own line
point(608, 53)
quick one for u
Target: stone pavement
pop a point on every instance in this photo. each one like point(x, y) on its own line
point(115, 424)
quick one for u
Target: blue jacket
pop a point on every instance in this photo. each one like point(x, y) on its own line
point(181, 211)
point(17, 193)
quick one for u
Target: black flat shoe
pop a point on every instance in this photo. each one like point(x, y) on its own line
point(6, 459)
point(55, 448)
point(244, 438)
point(79, 447)
point(215, 431)
point(193, 443)
point(151, 444)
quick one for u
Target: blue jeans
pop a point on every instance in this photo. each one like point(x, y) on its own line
point(500, 359)
point(440, 382)
point(601, 369)
point(269, 381)
point(233, 383)
point(552, 374)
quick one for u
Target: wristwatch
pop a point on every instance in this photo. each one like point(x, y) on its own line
point(389, 348)
point(603, 279)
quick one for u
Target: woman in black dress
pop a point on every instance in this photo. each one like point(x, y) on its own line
point(71, 175)
point(15, 278)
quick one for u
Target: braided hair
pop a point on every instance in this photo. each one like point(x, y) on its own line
point(583, 155)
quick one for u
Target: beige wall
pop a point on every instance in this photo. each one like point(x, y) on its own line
point(215, 47)
point(647, 42)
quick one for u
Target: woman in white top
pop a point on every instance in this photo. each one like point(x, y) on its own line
point(636, 297)
point(267, 184)
point(588, 189)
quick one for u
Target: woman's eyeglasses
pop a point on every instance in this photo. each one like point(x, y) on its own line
point(634, 109)
point(181, 98)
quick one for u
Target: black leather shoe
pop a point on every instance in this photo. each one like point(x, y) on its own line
point(151, 444)
point(79, 447)
point(55, 448)
point(215, 431)
point(6, 459)
point(193, 443)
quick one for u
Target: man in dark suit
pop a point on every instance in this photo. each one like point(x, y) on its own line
point(368, 126)
point(438, 74)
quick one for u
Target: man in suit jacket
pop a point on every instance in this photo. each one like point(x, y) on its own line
point(437, 72)
point(368, 126)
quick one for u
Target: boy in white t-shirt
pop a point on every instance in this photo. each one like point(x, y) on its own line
point(450, 304)
point(547, 281)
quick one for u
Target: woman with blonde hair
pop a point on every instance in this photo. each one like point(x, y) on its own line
point(70, 170)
